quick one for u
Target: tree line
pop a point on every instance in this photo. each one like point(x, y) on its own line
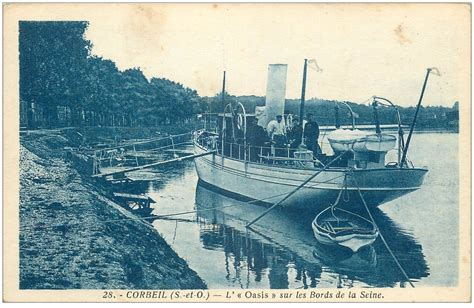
point(63, 84)
point(324, 111)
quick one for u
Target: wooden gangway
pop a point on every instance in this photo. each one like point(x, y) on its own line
point(135, 143)
point(123, 170)
point(142, 154)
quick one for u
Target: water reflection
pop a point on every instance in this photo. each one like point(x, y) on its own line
point(284, 239)
point(247, 257)
point(152, 179)
point(282, 247)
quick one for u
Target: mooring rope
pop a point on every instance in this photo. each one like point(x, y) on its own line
point(333, 206)
point(381, 235)
point(143, 218)
point(296, 189)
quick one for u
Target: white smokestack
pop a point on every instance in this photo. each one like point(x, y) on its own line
point(276, 90)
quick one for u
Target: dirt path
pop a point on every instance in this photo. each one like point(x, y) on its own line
point(68, 236)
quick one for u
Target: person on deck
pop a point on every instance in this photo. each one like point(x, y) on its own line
point(256, 135)
point(311, 134)
point(276, 130)
point(295, 134)
point(256, 138)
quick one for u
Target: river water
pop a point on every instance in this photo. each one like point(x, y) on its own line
point(281, 252)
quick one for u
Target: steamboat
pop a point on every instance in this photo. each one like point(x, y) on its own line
point(298, 177)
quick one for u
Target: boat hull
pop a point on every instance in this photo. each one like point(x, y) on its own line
point(361, 232)
point(271, 183)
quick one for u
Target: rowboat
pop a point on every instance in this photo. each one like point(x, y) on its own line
point(359, 141)
point(338, 227)
point(343, 139)
point(375, 143)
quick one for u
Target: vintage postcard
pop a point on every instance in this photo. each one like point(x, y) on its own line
point(312, 152)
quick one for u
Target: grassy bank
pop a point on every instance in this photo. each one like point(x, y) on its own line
point(72, 237)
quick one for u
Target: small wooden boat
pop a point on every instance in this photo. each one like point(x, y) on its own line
point(375, 143)
point(335, 226)
point(355, 140)
point(343, 139)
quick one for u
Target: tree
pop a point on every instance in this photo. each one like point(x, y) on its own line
point(53, 64)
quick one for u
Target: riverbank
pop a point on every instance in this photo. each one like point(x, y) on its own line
point(73, 237)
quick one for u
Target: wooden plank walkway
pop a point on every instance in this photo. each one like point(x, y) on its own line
point(130, 169)
point(145, 141)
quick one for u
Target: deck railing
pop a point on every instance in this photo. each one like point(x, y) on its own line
point(250, 153)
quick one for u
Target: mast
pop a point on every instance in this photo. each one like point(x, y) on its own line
point(303, 92)
point(223, 93)
point(223, 129)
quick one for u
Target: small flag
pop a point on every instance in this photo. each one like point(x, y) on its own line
point(435, 71)
point(316, 66)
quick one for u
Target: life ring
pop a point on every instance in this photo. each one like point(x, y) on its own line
point(289, 120)
point(240, 121)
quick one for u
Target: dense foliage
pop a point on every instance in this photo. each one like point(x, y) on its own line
point(428, 117)
point(62, 84)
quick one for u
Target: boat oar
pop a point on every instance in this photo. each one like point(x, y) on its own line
point(294, 190)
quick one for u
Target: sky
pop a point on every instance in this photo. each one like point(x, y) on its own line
point(363, 50)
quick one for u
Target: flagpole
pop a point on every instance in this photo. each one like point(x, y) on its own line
point(407, 144)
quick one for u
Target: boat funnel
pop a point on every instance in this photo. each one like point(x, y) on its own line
point(276, 90)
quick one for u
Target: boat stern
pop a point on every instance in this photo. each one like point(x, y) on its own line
point(383, 185)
